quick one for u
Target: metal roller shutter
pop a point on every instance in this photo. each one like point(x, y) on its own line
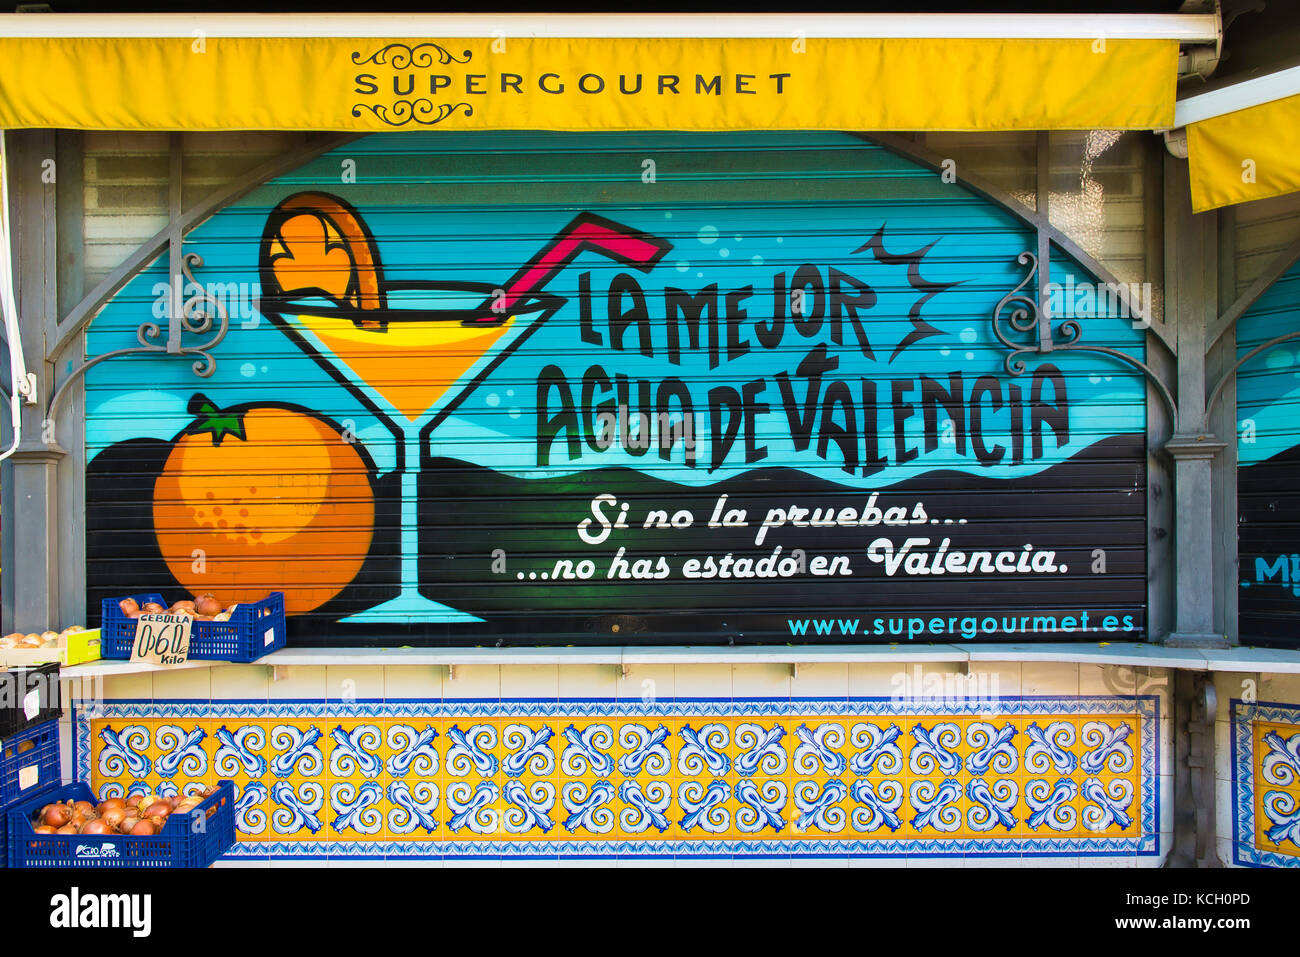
point(736, 387)
point(1268, 450)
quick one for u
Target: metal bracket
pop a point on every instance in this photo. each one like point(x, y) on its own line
point(1236, 366)
point(190, 316)
point(1027, 319)
point(278, 672)
point(451, 672)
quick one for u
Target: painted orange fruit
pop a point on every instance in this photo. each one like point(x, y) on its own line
point(262, 498)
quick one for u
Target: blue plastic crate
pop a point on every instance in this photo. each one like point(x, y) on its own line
point(45, 796)
point(255, 629)
point(194, 838)
point(29, 761)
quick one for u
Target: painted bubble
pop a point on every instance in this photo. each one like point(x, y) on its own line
point(1279, 359)
point(708, 235)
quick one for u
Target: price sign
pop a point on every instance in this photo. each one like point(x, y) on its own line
point(162, 639)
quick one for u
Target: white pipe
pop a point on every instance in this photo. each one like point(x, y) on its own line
point(23, 384)
point(1185, 28)
point(1238, 96)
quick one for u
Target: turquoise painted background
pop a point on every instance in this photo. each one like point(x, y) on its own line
point(426, 230)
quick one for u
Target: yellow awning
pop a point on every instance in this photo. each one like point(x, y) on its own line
point(1248, 154)
point(605, 83)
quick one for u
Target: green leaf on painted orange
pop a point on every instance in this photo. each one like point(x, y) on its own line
point(214, 421)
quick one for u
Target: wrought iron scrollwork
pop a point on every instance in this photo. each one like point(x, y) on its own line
point(1027, 318)
point(200, 313)
point(1024, 319)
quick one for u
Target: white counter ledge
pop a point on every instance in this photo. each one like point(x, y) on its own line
point(1131, 654)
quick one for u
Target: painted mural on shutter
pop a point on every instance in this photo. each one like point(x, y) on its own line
point(623, 388)
point(1268, 455)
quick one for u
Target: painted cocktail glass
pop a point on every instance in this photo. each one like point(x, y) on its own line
point(411, 352)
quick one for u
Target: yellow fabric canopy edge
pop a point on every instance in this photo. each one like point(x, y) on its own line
point(369, 85)
point(1245, 155)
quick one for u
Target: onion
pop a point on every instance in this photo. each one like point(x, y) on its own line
point(109, 804)
point(85, 807)
point(44, 829)
point(158, 809)
point(128, 822)
point(66, 829)
point(128, 605)
point(183, 605)
point(114, 816)
point(96, 827)
point(207, 604)
point(55, 815)
point(152, 608)
point(157, 820)
point(144, 828)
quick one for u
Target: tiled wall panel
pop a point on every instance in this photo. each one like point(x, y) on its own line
point(1265, 791)
point(690, 777)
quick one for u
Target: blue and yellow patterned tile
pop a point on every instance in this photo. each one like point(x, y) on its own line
point(933, 808)
point(415, 785)
point(355, 777)
point(646, 806)
point(184, 752)
point(1052, 807)
point(1108, 744)
point(994, 806)
point(643, 748)
point(1277, 755)
point(819, 749)
point(253, 808)
point(120, 751)
point(241, 748)
point(762, 808)
point(472, 748)
point(297, 749)
point(472, 809)
point(299, 809)
point(1277, 819)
